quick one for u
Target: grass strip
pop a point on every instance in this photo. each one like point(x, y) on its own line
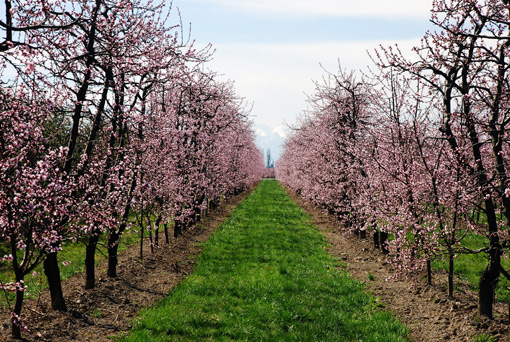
point(265, 276)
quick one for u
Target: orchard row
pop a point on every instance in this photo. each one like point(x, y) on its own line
point(417, 150)
point(107, 110)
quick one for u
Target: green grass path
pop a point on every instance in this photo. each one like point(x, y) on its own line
point(265, 276)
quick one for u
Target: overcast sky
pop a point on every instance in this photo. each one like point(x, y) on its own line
point(274, 49)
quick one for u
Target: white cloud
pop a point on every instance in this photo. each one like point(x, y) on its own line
point(281, 131)
point(260, 132)
point(332, 8)
point(276, 77)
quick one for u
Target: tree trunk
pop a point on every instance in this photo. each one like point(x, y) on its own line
point(52, 272)
point(149, 227)
point(383, 238)
point(177, 229)
point(429, 272)
point(363, 233)
point(166, 234)
point(90, 260)
point(488, 282)
point(214, 204)
point(450, 274)
point(113, 246)
point(141, 238)
point(156, 235)
point(198, 215)
point(156, 230)
point(376, 239)
point(16, 326)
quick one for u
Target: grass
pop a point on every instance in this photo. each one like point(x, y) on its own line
point(265, 276)
point(97, 314)
point(484, 338)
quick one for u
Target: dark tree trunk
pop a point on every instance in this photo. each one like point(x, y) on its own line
point(20, 275)
point(198, 215)
point(450, 274)
point(156, 236)
point(149, 227)
point(214, 204)
point(113, 247)
point(166, 234)
point(383, 241)
point(114, 236)
point(490, 275)
point(177, 229)
point(52, 272)
point(141, 238)
point(488, 282)
point(90, 260)
point(16, 327)
point(156, 230)
point(429, 272)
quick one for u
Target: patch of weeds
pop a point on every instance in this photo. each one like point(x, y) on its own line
point(378, 303)
point(97, 313)
point(484, 338)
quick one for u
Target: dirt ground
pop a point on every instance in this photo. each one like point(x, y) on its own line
point(110, 309)
point(426, 310)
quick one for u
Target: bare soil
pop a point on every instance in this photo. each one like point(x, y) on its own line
point(426, 310)
point(111, 308)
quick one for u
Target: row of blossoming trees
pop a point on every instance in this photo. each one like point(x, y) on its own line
point(106, 111)
point(412, 151)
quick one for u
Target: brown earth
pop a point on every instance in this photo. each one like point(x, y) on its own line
point(110, 309)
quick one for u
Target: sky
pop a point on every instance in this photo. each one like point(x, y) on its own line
point(274, 50)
